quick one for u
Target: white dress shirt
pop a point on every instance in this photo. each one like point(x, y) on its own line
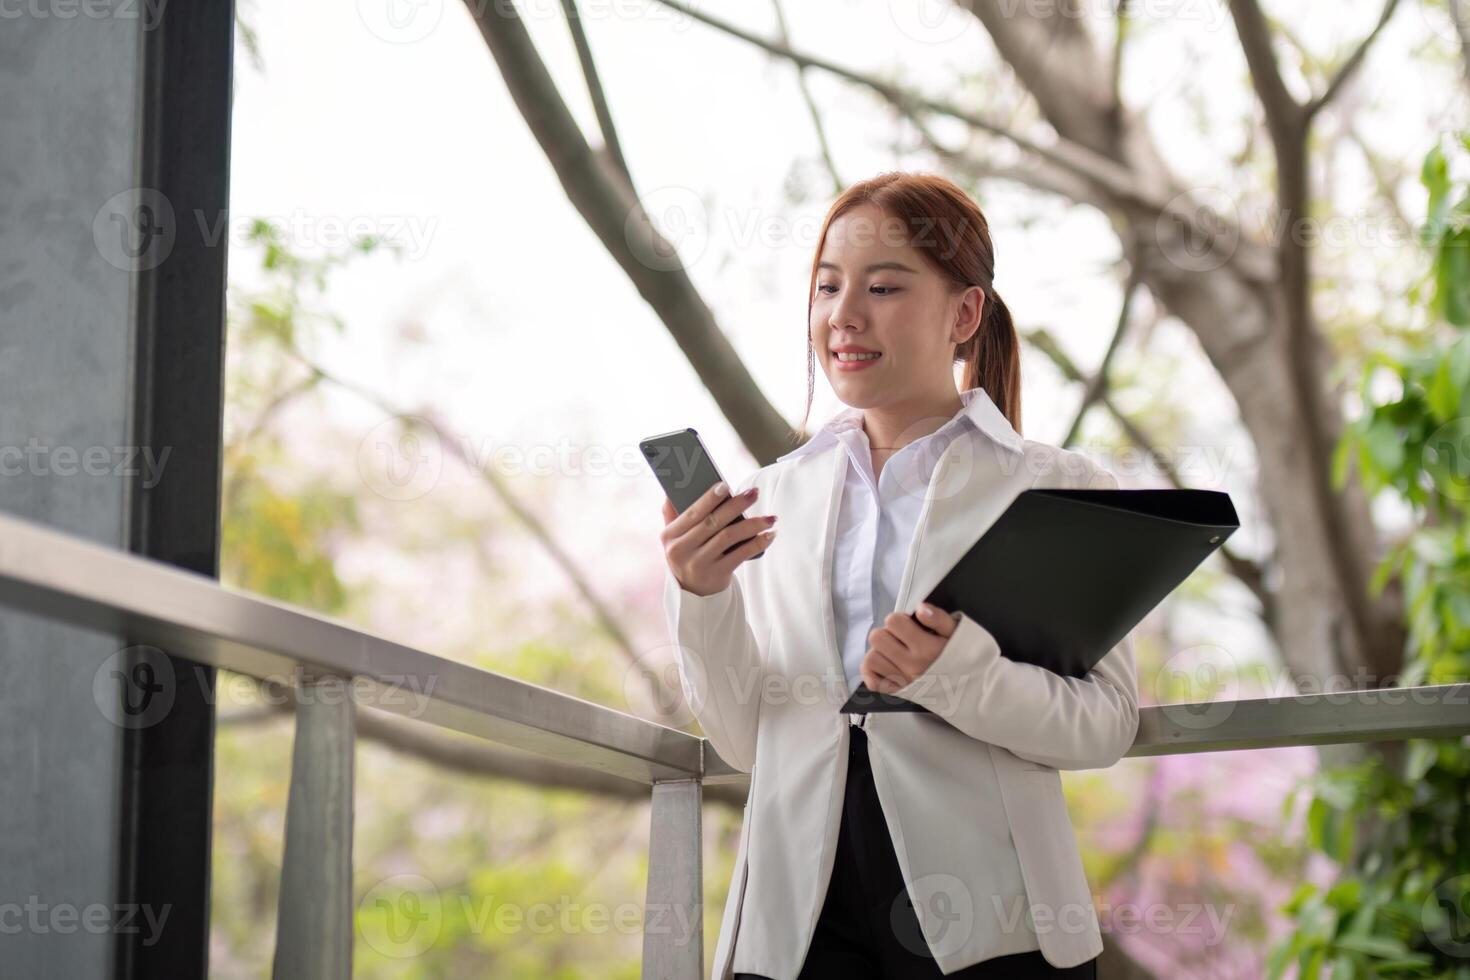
point(877, 517)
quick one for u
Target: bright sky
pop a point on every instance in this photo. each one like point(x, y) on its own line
point(391, 116)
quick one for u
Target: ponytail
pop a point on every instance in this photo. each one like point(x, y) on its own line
point(992, 359)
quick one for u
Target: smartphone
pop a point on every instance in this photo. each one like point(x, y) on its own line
point(685, 470)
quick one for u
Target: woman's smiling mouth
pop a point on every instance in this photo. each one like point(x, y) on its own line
point(854, 360)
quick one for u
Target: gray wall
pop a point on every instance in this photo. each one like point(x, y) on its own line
point(69, 115)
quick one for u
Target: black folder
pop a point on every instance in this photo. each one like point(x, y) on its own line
point(1063, 575)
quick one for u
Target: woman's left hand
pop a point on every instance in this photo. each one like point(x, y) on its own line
point(902, 649)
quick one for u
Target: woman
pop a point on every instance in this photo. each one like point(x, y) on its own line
point(899, 844)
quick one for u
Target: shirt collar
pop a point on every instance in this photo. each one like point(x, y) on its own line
point(978, 409)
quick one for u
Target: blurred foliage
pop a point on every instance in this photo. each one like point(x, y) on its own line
point(524, 881)
point(275, 544)
point(1401, 904)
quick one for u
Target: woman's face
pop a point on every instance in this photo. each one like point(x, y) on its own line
point(876, 292)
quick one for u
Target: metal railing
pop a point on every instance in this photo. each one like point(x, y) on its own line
point(191, 616)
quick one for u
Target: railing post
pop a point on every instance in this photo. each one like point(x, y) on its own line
point(314, 920)
point(673, 924)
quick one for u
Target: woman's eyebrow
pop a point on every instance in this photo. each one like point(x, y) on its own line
point(895, 266)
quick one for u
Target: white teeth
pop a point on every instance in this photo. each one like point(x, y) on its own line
point(856, 357)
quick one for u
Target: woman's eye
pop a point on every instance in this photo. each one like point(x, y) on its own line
point(886, 290)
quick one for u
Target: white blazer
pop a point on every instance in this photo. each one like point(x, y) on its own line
point(968, 792)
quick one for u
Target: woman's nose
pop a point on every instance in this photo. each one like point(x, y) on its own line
point(846, 313)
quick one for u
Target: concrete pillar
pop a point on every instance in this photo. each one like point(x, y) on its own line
point(114, 134)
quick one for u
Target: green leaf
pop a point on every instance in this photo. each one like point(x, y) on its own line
point(1373, 945)
point(1435, 176)
point(1280, 955)
point(1444, 394)
point(1390, 563)
point(1346, 894)
point(1343, 967)
point(1406, 963)
point(1452, 279)
point(1385, 447)
point(1310, 960)
point(1459, 361)
point(1346, 838)
point(1304, 891)
point(1361, 924)
point(1319, 820)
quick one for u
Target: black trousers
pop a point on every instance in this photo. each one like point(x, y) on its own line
point(867, 929)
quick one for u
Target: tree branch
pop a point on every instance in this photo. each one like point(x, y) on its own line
point(1120, 40)
point(607, 203)
point(1284, 115)
point(1052, 52)
point(1099, 384)
point(300, 387)
point(612, 146)
point(1063, 153)
point(838, 186)
point(471, 756)
point(1307, 356)
point(1111, 178)
point(1386, 181)
point(1031, 172)
point(1354, 60)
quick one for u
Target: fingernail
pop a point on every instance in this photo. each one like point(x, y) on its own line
point(770, 535)
point(721, 489)
point(925, 609)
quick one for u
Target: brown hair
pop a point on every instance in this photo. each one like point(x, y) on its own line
point(950, 232)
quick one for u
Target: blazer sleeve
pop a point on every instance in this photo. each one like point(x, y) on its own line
point(720, 667)
point(1087, 722)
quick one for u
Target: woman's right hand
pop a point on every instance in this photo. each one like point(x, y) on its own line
point(695, 541)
